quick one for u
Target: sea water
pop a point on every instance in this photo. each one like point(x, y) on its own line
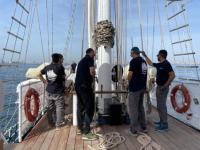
point(10, 77)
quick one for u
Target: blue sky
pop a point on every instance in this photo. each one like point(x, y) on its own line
point(62, 15)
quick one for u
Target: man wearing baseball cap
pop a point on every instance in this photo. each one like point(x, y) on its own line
point(137, 78)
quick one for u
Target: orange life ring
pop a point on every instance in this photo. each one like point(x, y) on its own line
point(27, 104)
point(187, 98)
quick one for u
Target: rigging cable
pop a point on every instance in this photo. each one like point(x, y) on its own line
point(140, 23)
point(160, 24)
point(52, 19)
point(71, 26)
point(30, 31)
point(83, 30)
point(129, 4)
point(147, 46)
point(180, 44)
point(191, 45)
point(38, 19)
point(154, 20)
point(30, 6)
point(4, 52)
point(170, 34)
point(47, 15)
point(18, 29)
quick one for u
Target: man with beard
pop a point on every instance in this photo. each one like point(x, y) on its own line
point(137, 77)
point(83, 85)
point(165, 75)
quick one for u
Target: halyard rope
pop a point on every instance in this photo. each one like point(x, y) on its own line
point(110, 140)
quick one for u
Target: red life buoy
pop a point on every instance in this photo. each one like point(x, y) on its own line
point(27, 104)
point(187, 98)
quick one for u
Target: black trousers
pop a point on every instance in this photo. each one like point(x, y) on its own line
point(85, 108)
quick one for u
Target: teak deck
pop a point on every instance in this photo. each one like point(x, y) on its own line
point(179, 137)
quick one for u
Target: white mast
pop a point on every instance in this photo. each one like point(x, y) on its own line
point(104, 60)
point(90, 23)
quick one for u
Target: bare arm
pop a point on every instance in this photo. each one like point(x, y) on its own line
point(42, 78)
point(170, 79)
point(92, 71)
point(149, 62)
point(130, 74)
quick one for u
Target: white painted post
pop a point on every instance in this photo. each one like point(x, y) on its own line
point(104, 60)
point(89, 23)
point(75, 102)
point(19, 90)
point(43, 99)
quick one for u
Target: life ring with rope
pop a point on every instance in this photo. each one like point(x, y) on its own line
point(187, 99)
point(31, 116)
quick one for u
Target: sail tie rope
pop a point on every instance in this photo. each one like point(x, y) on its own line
point(110, 140)
point(147, 143)
point(104, 33)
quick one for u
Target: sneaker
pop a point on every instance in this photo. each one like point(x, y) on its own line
point(157, 123)
point(78, 132)
point(90, 137)
point(133, 133)
point(162, 128)
point(58, 128)
point(60, 125)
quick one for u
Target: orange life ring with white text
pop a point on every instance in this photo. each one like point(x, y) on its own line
point(187, 99)
point(27, 104)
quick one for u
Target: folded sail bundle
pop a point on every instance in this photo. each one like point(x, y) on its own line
point(32, 73)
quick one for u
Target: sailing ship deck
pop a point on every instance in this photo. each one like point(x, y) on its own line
point(179, 137)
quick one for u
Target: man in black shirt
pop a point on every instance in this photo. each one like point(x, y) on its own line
point(165, 75)
point(137, 78)
point(55, 78)
point(83, 86)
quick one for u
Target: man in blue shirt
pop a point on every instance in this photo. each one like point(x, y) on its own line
point(137, 78)
point(165, 75)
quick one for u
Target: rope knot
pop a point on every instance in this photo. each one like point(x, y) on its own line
point(104, 33)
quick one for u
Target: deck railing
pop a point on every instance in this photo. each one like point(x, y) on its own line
point(23, 124)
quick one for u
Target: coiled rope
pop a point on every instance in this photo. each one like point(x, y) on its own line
point(104, 33)
point(110, 140)
point(147, 143)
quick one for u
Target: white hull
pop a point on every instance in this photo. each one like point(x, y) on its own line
point(194, 89)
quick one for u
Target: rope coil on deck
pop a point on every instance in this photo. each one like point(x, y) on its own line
point(104, 33)
point(147, 143)
point(110, 140)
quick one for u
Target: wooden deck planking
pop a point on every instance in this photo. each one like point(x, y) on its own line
point(47, 142)
point(79, 142)
point(39, 141)
point(64, 138)
point(30, 142)
point(130, 142)
point(178, 137)
point(54, 143)
point(71, 140)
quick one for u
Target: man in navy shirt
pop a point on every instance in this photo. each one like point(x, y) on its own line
point(55, 81)
point(137, 78)
point(165, 75)
point(83, 85)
